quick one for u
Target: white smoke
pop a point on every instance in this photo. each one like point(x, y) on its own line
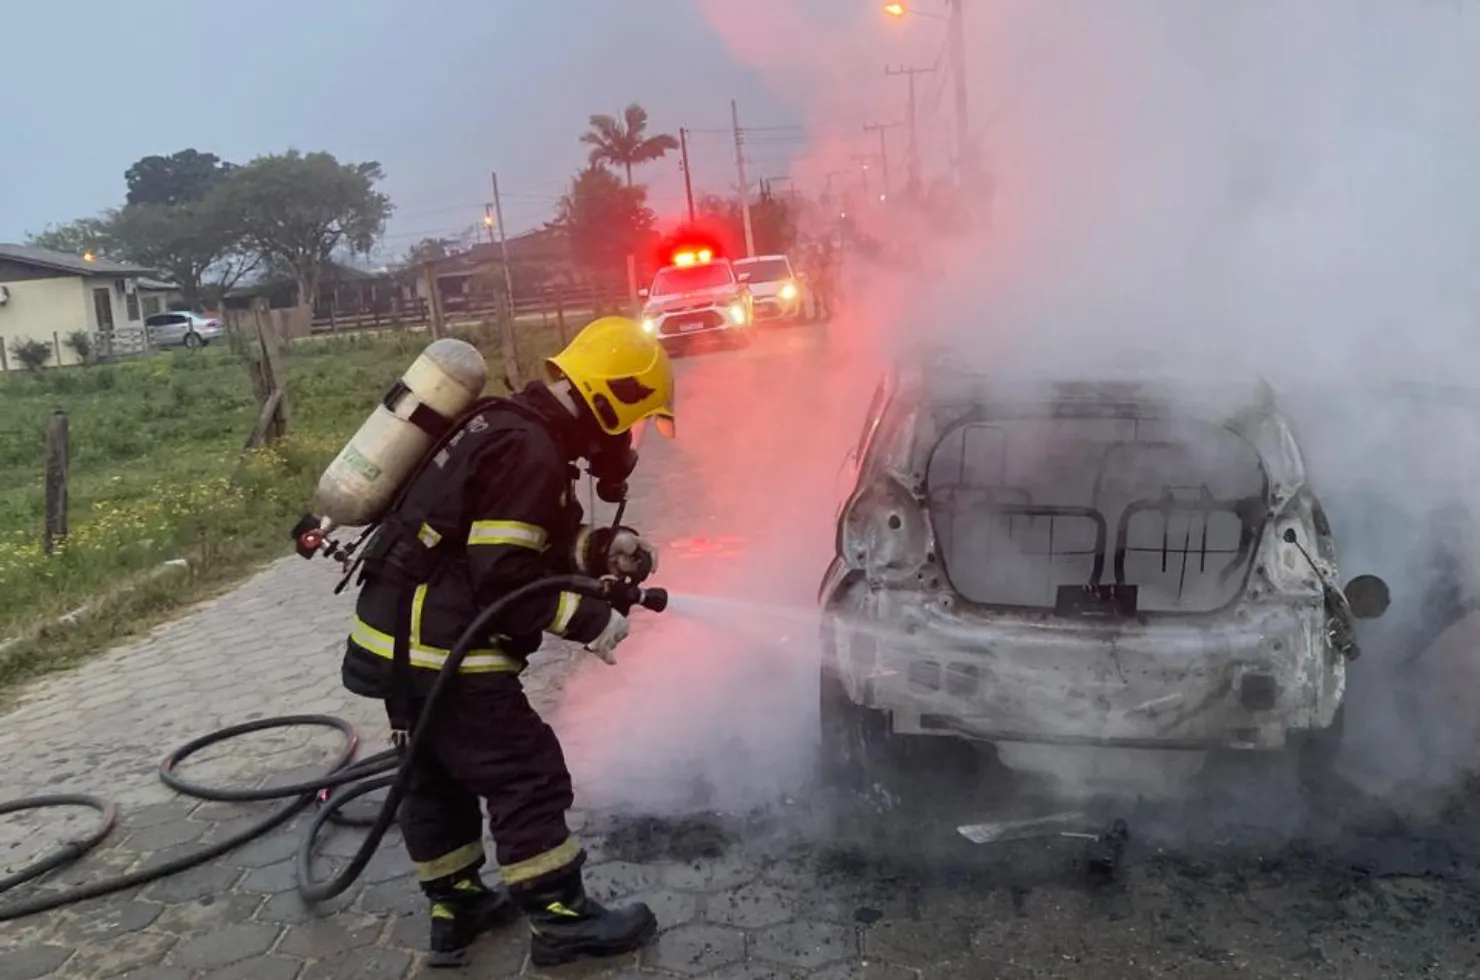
point(1286, 189)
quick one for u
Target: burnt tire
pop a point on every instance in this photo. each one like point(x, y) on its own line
point(1316, 754)
point(859, 757)
point(890, 790)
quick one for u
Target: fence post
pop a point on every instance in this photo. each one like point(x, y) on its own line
point(434, 301)
point(560, 312)
point(269, 378)
point(508, 347)
point(56, 481)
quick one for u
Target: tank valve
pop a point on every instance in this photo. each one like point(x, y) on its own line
point(308, 536)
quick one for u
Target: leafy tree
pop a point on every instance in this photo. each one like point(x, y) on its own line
point(191, 243)
point(296, 210)
point(176, 221)
point(430, 250)
point(772, 222)
point(604, 222)
point(625, 143)
point(185, 177)
point(85, 235)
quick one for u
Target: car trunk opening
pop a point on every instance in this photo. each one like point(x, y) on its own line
point(1032, 512)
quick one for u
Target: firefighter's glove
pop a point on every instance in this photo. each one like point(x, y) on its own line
point(605, 645)
point(630, 555)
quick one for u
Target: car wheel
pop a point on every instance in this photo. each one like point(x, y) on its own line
point(1315, 760)
point(861, 766)
point(194, 341)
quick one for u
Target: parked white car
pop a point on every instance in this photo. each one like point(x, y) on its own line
point(181, 328)
point(779, 290)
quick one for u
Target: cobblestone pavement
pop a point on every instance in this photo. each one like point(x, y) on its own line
point(691, 766)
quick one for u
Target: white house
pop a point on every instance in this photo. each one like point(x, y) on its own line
point(48, 296)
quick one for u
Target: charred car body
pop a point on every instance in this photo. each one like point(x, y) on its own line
point(1114, 565)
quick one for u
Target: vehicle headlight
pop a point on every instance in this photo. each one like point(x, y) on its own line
point(788, 291)
point(649, 324)
point(737, 313)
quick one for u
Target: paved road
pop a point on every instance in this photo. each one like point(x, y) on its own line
point(691, 760)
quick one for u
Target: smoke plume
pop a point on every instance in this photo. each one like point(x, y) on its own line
point(1208, 192)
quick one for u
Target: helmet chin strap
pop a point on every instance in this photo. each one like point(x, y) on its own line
point(565, 396)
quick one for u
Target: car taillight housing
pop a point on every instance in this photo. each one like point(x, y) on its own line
point(1283, 564)
point(885, 532)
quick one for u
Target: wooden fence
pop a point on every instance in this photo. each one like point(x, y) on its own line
point(550, 304)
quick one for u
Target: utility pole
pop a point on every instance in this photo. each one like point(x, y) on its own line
point(882, 129)
point(958, 59)
point(744, 186)
point(509, 349)
point(503, 243)
point(914, 151)
point(688, 181)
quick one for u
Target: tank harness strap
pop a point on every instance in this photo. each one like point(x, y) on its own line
point(423, 417)
point(399, 705)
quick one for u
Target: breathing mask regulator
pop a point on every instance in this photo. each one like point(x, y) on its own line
point(610, 460)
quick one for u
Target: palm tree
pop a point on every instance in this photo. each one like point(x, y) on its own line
point(624, 143)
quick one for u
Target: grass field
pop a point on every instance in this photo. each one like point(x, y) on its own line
point(157, 473)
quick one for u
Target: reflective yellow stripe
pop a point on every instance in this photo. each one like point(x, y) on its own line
point(514, 533)
point(564, 610)
point(428, 536)
point(488, 661)
point(541, 864)
point(583, 538)
point(417, 601)
point(450, 863)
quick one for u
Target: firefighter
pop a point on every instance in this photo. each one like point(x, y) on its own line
point(494, 510)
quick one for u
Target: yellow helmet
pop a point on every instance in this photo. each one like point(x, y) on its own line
point(621, 372)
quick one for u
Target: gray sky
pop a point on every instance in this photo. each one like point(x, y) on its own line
point(439, 91)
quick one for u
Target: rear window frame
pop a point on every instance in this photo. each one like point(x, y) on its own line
point(964, 414)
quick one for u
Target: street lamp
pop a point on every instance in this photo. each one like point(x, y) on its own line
point(898, 9)
point(957, 47)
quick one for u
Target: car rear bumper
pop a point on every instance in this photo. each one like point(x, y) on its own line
point(1242, 681)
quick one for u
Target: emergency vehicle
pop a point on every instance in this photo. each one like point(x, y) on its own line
point(776, 286)
point(699, 294)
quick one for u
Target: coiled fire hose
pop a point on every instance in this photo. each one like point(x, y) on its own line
point(390, 769)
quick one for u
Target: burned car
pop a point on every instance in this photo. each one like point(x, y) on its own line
point(1113, 565)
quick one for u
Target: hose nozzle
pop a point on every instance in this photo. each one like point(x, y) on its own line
point(653, 599)
point(623, 594)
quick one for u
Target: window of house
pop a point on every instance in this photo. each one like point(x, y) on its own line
point(132, 302)
point(153, 305)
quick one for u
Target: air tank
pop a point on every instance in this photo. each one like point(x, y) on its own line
point(365, 477)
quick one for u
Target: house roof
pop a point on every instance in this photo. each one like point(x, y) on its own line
point(540, 245)
point(45, 258)
point(157, 285)
point(331, 272)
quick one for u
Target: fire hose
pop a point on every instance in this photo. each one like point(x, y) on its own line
point(345, 781)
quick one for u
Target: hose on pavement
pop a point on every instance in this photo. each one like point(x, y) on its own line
point(344, 782)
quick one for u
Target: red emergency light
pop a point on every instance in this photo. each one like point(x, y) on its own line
point(693, 256)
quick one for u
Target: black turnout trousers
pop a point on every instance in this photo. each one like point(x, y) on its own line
point(488, 743)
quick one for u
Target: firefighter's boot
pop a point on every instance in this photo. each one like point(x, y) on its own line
point(566, 925)
point(462, 910)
